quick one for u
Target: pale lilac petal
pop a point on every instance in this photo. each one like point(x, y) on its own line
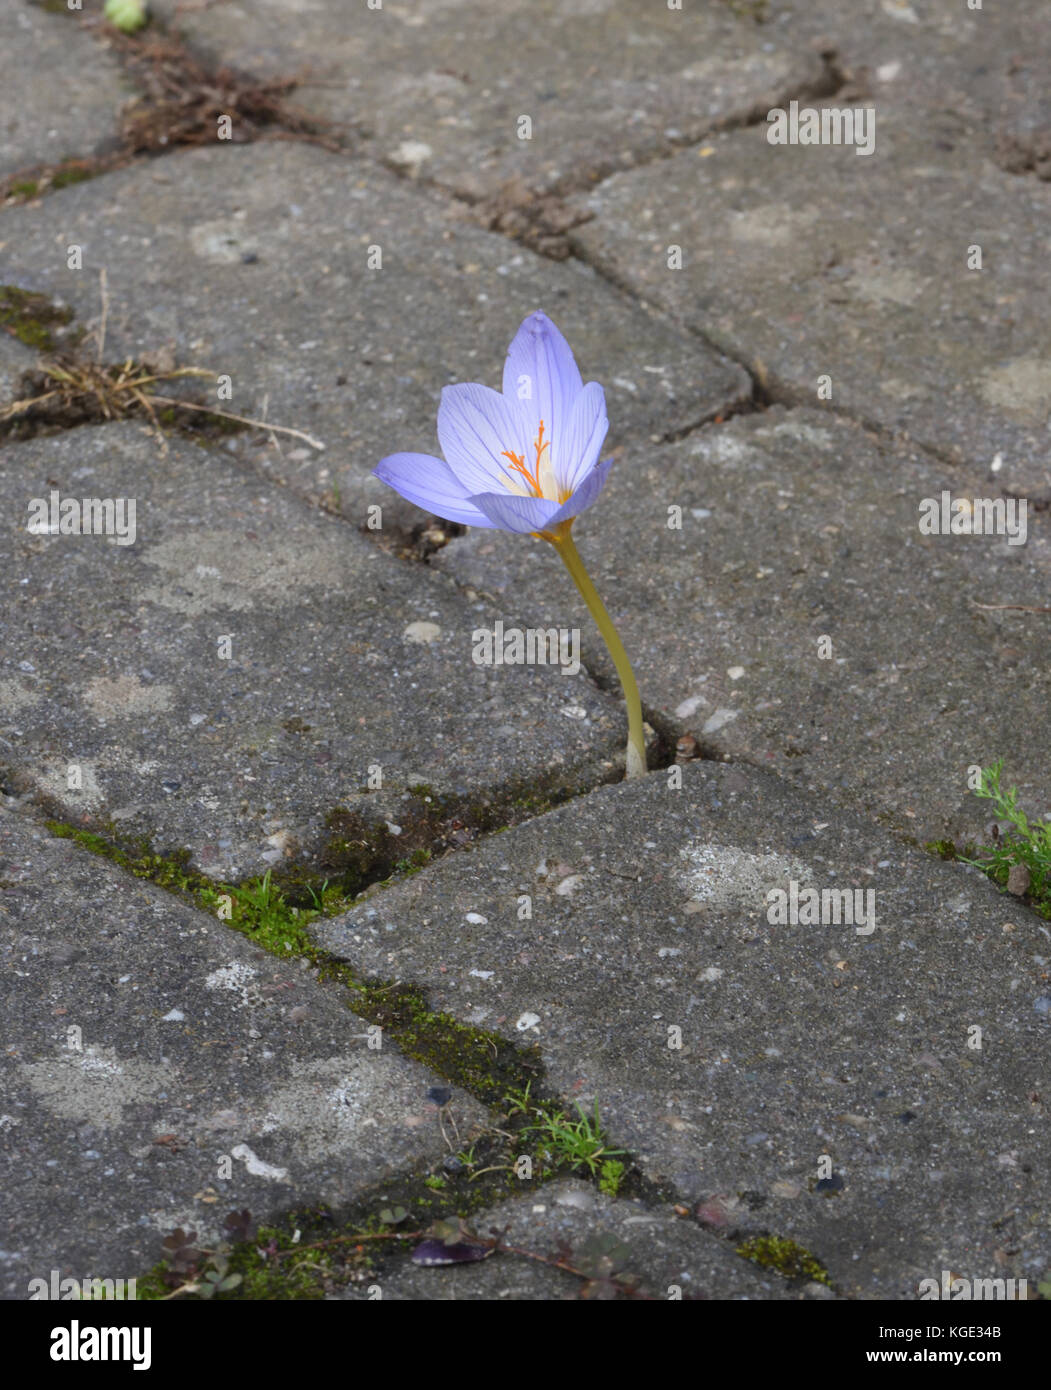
point(475, 426)
point(541, 362)
point(576, 452)
point(585, 496)
point(429, 483)
point(511, 513)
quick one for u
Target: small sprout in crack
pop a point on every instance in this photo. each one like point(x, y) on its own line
point(565, 1142)
point(1019, 859)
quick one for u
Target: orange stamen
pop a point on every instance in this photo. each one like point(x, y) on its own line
point(518, 464)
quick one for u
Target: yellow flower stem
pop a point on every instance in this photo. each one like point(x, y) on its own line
point(635, 762)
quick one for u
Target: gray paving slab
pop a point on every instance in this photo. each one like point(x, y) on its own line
point(254, 261)
point(665, 1256)
point(798, 526)
point(63, 90)
point(747, 1062)
point(144, 1043)
point(437, 89)
point(242, 670)
point(827, 271)
point(954, 59)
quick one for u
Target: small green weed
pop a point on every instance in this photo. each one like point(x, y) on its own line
point(1024, 842)
point(566, 1142)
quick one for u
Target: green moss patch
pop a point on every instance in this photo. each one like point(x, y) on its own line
point(785, 1257)
point(31, 317)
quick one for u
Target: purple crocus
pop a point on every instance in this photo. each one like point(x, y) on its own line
point(523, 460)
point(526, 460)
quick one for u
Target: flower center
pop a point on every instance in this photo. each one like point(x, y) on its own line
point(518, 465)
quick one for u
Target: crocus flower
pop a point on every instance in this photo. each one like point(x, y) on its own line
point(525, 460)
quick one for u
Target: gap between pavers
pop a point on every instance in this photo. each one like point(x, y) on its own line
point(150, 1050)
point(827, 271)
point(244, 668)
point(668, 1257)
point(439, 91)
point(254, 261)
point(976, 73)
point(726, 559)
point(743, 1062)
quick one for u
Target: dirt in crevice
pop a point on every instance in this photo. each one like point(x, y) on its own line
point(183, 101)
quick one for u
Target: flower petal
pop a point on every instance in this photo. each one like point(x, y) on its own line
point(585, 496)
point(430, 484)
point(511, 513)
point(577, 451)
point(541, 362)
point(475, 425)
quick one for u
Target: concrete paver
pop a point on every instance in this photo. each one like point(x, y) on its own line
point(249, 666)
point(870, 1090)
point(848, 278)
point(438, 90)
point(48, 50)
point(253, 261)
point(160, 1071)
point(778, 600)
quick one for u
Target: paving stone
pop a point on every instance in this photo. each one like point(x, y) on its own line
point(437, 89)
point(143, 1042)
point(972, 72)
point(315, 340)
point(649, 914)
point(340, 659)
point(809, 262)
point(49, 51)
point(670, 1258)
point(798, 525)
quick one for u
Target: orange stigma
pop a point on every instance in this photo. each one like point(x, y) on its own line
point(518, 464)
